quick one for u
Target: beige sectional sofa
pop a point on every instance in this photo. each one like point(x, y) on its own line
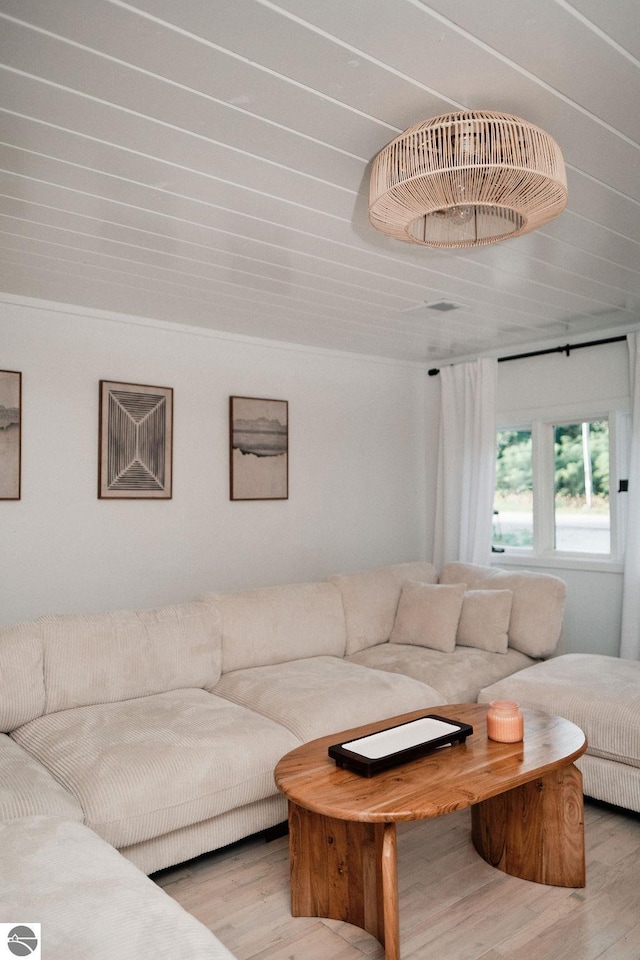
point(159, 729)
point(601, 695)
point(89, 902)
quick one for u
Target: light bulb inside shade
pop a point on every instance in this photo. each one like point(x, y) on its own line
point(461, 214)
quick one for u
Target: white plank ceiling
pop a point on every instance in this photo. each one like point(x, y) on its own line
point(207, 162)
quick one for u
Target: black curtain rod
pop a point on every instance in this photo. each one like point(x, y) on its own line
point(568, 347)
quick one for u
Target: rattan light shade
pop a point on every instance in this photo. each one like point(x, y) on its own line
point(467, 179)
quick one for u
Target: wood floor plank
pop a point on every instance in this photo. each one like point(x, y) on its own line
point(453, 905)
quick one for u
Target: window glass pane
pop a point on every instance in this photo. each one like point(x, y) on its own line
point(581, 478)
point(513, 503)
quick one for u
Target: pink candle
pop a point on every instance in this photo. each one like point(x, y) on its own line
point(505, 721)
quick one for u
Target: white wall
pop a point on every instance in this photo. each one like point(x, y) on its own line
point(363, 465)
point(590, 381)
point(357, 466)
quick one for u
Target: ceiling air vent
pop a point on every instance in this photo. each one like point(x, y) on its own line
point(443, 305)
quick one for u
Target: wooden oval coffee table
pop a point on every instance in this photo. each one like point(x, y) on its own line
point(527, 814)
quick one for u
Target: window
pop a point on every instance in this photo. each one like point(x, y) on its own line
point(553, 489)
point(582, 522)
point(513, 504)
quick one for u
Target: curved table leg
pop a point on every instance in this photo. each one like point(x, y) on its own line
point(535, 831)
point(345, 870)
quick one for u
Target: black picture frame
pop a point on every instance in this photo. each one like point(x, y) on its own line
point(10, 434)
point(135, 458)
point(258, 449)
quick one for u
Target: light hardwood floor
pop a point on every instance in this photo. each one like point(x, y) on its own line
point(453, 905)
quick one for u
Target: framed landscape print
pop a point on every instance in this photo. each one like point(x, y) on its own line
point(136, 439)
point(259, 448)
point(10, 434)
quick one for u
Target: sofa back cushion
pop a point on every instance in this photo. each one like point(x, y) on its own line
point(537, 605)
point(371, 599)
point(121, 655)
point(21, 675)
point(268, 625)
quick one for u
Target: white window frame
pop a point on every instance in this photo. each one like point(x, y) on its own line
point(543, 552)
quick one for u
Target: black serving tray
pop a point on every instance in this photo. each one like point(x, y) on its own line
point(398, 744)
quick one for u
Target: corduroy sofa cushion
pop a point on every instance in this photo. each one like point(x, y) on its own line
point(107, 657)
point(537, 606)
point(458, 677)
point(321, 695)
point(141, 768)
point(270, 625)
point(27, 788)
point(21, 675)
point(371, 598)
point(91, 902)
point(600, 694)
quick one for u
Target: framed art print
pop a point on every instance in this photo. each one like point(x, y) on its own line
point(10, 434)
point(136, 440)
point(259, 448)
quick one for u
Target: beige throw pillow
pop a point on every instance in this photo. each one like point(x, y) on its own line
point(484, 620)
point(428, 614)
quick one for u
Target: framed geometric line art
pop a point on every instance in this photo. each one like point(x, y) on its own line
point(10, 434)
point(258, 448)
point(136, 440)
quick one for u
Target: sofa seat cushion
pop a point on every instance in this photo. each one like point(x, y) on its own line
point(314, 697)
point(600, 694)
point(92, 904)
point(27, 788)
point(458, 676)
point(141, 768)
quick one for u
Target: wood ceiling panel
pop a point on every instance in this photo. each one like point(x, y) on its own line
point(595, 201)
point(421, 277)
point(423, 45)
point(567, 258)
point(143, 182)
point(618, 20)
point(180, 254)
point(179, 109)
point(242, 317)
point(533, 33)
point(206, 69)
point(207, 163)
point(478, 282)
point(291, 50)
point(596, 239)
point(102, 122)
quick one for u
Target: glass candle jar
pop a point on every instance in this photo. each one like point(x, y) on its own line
point(505, 721)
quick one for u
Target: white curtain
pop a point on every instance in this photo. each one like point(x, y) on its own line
point(630, 639)
point(466, 463)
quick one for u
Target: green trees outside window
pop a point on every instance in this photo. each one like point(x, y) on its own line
point(580, 485)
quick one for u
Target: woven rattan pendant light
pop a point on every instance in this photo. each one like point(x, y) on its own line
point(467, 179)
